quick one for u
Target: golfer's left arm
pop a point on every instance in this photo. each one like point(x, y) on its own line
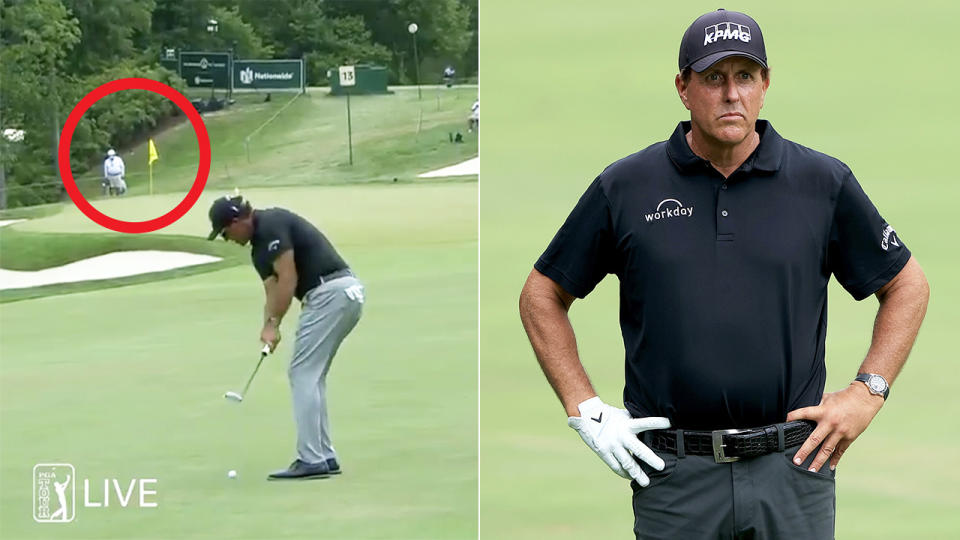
point(842, 416)
point(279, 292)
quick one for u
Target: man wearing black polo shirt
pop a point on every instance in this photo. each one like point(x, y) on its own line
point(293, 258)
point(724, 238)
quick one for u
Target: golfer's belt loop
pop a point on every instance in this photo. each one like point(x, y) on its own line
point(681, 451)
point(780, 444)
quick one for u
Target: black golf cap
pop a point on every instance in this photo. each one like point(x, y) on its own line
point(222, 212)
point(719, 34)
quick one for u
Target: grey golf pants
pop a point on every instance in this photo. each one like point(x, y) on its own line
point(329, 313)
point(766, 497)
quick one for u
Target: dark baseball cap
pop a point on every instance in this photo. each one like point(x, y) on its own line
point(719, 34)
point(222, 213)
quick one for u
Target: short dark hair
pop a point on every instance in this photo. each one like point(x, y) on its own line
point(687, 71)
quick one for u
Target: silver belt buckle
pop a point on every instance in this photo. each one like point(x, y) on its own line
point(718, 445)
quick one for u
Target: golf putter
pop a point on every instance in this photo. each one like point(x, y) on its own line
point(233, 396)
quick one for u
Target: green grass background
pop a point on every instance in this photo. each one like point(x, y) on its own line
point(568, 89)
point(125, 378)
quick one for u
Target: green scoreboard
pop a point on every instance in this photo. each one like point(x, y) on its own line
point(206, 69)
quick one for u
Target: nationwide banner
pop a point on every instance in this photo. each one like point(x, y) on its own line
point(268, 74)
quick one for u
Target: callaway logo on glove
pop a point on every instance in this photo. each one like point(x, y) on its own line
point(612, 434)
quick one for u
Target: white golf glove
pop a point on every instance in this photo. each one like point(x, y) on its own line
point(612, 434)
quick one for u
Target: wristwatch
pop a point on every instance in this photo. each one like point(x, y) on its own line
point(875, 383)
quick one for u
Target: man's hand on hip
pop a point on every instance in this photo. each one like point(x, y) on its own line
point(612, 434)
point(841, 417)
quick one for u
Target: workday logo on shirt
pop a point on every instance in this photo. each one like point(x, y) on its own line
point(669, 208)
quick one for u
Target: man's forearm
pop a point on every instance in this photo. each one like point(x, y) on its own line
point(902, 308)
point(544, 316)
point(279, 297)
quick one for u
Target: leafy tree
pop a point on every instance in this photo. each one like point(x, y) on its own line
point(107, 29)
point(327, 43)
point(238, 35)
point(183, 25)
point(444, 29)
point(37, 37)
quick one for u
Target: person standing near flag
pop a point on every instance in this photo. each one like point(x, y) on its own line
point(113, 172)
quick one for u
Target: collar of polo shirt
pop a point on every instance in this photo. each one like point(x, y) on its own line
point(766, 157)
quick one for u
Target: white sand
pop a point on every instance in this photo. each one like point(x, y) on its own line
point(111, 265)
point(5, 222)
point(468, 167)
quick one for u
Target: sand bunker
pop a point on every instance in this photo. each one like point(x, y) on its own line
point(111, 265)
point(5, 222)
point(468, 167)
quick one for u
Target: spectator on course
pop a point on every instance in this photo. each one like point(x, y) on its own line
point(448, 75)
point(473, 122)
point(113, 173)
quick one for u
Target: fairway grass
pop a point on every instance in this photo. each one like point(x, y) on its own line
point(394, 136)
point(610, 93)
point(128, 382)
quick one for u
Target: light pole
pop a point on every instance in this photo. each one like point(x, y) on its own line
point(213, 27)
point(413, 32)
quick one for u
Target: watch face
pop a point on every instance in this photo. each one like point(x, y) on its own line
point(877, 385)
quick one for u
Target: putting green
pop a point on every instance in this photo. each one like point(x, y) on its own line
point(128, 383)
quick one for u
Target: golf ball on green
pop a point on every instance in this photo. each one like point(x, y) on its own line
point(232, 474)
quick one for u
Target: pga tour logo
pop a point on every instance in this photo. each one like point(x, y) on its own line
point(55, 493)
point(727, 30)
point(669, 208)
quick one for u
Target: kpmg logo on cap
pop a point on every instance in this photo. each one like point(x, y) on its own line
point(726, 30)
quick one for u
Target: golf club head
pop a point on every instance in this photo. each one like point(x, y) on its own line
point(233, 396)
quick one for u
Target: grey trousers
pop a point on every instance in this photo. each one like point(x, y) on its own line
point(766, 497)
point(329, 313)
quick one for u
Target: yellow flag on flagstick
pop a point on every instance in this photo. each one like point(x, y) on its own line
point(153, 152)
point(152, 156)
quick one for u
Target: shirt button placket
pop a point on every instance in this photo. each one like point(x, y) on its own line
point(724, 226)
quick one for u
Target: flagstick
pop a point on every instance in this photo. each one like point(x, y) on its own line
point(151, 178)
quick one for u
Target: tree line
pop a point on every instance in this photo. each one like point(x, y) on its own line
point(52, 52)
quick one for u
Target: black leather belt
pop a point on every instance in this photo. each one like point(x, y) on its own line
point(727, 445)
point(336, 274)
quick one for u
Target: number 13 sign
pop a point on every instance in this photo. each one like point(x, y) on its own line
point(347, 76)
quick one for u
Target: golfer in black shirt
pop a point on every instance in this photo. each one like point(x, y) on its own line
point(724, 239)
point(294, 259)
